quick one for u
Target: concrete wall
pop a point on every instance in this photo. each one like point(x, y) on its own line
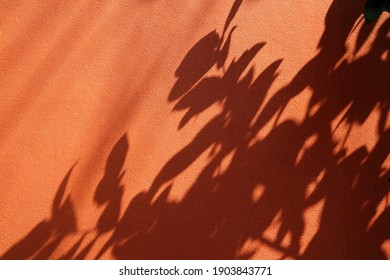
point(162, 129)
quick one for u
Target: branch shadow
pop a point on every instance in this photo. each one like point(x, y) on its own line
point(47, 236)
point(254, 189)
point(272, 178)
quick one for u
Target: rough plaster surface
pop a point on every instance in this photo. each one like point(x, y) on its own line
point(296, 168)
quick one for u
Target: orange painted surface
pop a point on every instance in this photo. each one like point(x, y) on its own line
point(193, 130)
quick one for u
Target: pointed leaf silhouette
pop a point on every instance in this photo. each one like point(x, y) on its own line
point(232, 14)
point(59, 198)
point(223, 54)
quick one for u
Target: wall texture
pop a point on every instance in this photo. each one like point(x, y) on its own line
point(165, 129)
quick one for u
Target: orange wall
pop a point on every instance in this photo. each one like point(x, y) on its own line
point(193, 129)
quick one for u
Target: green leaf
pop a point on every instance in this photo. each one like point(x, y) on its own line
point(374, 9)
